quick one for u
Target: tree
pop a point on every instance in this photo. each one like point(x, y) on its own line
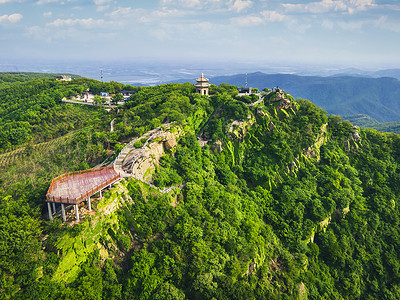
point(98, 100)
point(117, 98)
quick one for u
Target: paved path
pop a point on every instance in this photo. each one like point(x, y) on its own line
point(129, 147)
point(112, 125)
point(86, 103)
point(257, 102)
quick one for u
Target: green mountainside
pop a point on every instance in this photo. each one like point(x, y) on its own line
point(339, 95)
point(368, 122)
point(273, 200)
point(12, 77)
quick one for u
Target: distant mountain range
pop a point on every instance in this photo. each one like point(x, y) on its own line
point(379, 98)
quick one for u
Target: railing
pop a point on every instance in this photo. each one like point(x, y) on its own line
point(84, 195)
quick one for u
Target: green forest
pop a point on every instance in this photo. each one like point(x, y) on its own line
point(281, 201)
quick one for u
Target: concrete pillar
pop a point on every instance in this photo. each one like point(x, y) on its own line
point(76, 212)
point(100, 194)
point(63, 212)
point(49, 208)
point(54, 208)
point(89, 204)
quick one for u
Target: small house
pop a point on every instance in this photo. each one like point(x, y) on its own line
point(127, 93)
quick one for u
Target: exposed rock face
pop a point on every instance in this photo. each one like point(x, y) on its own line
point(285, 103)
point(237, 123)
point(355, 135)
point(313, 150)
point(323, 224)
point(279, 96)
point(202, 142)
point(169, 141)
point(141, 162)
point(238, 128)
point(350, 142)
point(260, 112)
point(302, 291)
point(218, 146)
point(251, 269)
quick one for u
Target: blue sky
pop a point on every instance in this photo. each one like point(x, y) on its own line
point(360, 33)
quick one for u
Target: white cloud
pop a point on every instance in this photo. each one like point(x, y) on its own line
point(101, 8)
point(89, 22)
point(266, 16)
point(14, 18)
point(43, 2)
point(47, 14)
point(387, 25)
point(392, 7)
point(273, 16)
point(190, 3)
point(352, 25)
point(240, 5)
point(249, 20)
point(185, 3)
point(121, 11)
point(209, 6)
point(102, 5)
point(380, 22)
point(141, 15)
point(323, 6)
point(101, 2)
point(179, 32)
point(6, 1)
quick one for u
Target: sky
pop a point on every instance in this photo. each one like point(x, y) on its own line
point(353, 33)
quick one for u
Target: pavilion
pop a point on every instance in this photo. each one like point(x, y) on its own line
point(202, 85)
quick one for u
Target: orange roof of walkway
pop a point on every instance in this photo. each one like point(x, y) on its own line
point(75, 187)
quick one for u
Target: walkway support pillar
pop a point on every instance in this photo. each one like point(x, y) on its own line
point(63, 212)
point(89, 204)
point(54, 208)
point(76, 212)
point(49, 208)
point(100, 194)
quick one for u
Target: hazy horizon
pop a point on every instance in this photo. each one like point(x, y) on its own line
point(157, 71)
point(347, 33)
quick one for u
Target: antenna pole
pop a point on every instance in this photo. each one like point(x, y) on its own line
point(101, 75)
point(246, 81)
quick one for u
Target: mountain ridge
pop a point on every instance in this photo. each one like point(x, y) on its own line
point(340, 95)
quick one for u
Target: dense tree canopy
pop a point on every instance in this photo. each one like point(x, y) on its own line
point(279, 203)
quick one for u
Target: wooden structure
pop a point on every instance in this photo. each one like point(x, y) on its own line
point(202, 85)
point(76, 187)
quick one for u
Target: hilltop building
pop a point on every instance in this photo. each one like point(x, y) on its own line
point(244, 91)
point(202, 85)
point(127, 93)
point(63, 78)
